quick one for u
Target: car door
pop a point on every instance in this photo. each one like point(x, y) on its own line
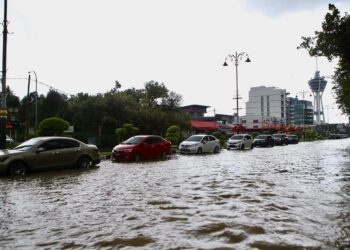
point(206, 144)
point(46, 156)
point(249, 141)
point(148, 148)
point(69, 151)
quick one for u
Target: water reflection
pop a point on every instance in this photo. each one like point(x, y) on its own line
point(292, 197)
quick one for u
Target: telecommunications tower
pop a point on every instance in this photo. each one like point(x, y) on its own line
point(317, 86)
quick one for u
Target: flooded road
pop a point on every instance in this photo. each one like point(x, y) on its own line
point(288, 197)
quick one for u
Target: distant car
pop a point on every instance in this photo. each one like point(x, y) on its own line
point(293, 139)
point(264, 141)
point(280, 139)
point(199, 144)
point(9, 140)
point(240, 141)
point(47, 153)
point(142, 147)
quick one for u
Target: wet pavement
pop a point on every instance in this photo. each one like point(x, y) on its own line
point(288, 197)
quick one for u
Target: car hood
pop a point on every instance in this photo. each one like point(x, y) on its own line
point(189, 142)
point(9, 152)
point(234, 141)
point(124, 146)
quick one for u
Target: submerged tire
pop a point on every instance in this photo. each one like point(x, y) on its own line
point(84, 162)
point(137, 157)
point(216, 150)
point(163, 156)
point(199, 151)
point(18, 169)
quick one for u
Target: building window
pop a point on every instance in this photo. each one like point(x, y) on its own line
point(244, 121)
point(262, 105)
point(255, 121)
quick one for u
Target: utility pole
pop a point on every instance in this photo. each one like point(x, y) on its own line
point(3, 110)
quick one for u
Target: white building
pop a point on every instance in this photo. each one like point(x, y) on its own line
point(266, 107)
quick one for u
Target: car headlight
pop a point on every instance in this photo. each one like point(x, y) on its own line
point(3, 158)
point(126, 150)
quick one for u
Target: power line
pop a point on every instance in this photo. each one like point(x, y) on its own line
point(47, 85)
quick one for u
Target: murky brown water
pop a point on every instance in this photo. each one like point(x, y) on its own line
point(291, 197)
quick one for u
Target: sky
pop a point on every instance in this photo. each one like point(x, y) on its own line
point(85, 46)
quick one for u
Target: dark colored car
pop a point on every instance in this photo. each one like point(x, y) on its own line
point(264, 141)
point(47, 153)
point(142, 147)
point(293, 139)
point(280, 139)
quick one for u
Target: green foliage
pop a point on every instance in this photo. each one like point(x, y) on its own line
point(53, 126)
point(310, 134)
point(173, 134)
point(221, 137)
point(126, 132)
point(333, 42)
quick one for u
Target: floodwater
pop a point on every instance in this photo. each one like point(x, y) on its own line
point(287, 197)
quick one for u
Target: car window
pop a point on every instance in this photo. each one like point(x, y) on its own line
point(248, 137)
point(50, 145)
point(195, 138)
point(205, 139)
point(66, 143)
point(212, 138)
point(157, 139)
point(237, 137)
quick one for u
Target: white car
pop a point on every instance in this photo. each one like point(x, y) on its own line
point(240, 141)
point(198, 144)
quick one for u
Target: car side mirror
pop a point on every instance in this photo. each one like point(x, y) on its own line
point(40, 149)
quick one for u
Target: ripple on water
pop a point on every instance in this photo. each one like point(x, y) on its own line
point(138, 241)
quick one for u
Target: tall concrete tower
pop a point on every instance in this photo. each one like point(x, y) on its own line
point(317, 86)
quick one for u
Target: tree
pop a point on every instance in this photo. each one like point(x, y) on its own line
point(53, 104)
point(53, 126)
point(333, 42)
point(155, 93)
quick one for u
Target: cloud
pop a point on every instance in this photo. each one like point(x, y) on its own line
point(280, 7)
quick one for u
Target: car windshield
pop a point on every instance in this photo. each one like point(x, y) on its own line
point(237, 137)
point(28, 145)
point(194, 138)
point(134, 140)
point(278, 136)
point(261, 137)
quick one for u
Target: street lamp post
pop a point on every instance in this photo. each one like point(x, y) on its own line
point(36, 102)
point(235, 58)
point(3, 110)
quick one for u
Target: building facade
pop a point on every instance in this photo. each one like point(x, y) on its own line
point(266, 106)
point(299, 112)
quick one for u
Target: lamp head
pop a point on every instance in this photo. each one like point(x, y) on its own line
point(225, 64)
point(247, 60)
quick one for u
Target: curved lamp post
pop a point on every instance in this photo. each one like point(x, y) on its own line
point(235, 58)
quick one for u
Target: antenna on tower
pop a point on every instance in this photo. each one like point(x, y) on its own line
point(316, 63)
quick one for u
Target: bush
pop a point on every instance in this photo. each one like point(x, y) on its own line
point(221, 137)
point(53, 126)
point(126, 132)
point(173, 134)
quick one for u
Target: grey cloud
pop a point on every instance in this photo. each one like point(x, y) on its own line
point(280, 7)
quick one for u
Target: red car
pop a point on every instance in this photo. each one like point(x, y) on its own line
point(142, 147)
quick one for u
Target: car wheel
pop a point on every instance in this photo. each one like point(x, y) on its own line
point(242, 147)
point(163, 156)
point(84, 162)
point(216, 150)
point(18, 169)
point(137, 157)
point(251, 146)
point(199, 151)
